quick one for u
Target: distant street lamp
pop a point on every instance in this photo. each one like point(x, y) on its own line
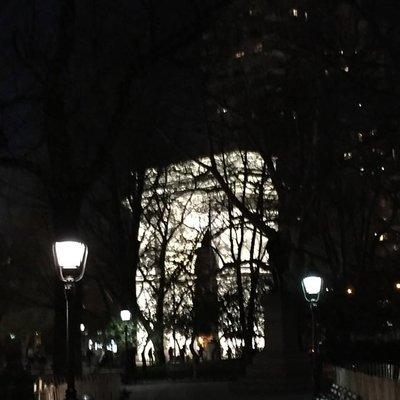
point(70, 260)
point(125, 317)
point(312, 287)
point(350, 291)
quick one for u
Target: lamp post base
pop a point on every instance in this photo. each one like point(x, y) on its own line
point(281, 367)
point(70, 394)
point(279, 372)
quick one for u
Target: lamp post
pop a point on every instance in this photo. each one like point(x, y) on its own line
point(70, 260)
point(312, 286)
point(125, 317)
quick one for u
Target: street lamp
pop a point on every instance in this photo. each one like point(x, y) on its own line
point(70, 260)
point(125, 317)
point(312, 287)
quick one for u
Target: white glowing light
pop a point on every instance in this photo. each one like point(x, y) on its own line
point(114, 347)
point(312, 284)
point(82, 327)
point(69, 254)
point(125, 315)
point(98, 346)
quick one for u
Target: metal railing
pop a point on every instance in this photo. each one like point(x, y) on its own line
point(381, 370)
point(98, 386)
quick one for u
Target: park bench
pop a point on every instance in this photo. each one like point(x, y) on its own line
point(339, 393)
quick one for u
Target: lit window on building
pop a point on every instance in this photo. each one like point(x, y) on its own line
point(294, 12)
point(383, 237)
point(348, 155)
point(239, 54)
point(258, 48)
point(222, 110)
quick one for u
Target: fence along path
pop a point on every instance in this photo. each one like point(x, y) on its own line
point(369, 387)
point(99, 386)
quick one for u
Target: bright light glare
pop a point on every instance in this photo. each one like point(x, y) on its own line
point(125, 315)
point(312, 284)
point(69, 254)
point(82, 326)
point(113, 346)
point(349, 290)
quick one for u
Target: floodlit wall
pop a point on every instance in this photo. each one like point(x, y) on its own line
point(180, 203)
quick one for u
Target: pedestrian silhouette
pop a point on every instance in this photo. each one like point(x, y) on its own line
point(201, 352)
point(150, 356)
point(229, 353)
point(182, 353)
point(171, 354)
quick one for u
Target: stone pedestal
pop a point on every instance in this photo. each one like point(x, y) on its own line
point(281, 366)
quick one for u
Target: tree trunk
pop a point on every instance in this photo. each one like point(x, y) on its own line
point(158, 341)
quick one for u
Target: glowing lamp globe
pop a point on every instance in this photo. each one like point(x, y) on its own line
point(312, 286)
point(125, 315)
point(70, 259)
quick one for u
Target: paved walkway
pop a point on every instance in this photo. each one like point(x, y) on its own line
point(206, 391)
